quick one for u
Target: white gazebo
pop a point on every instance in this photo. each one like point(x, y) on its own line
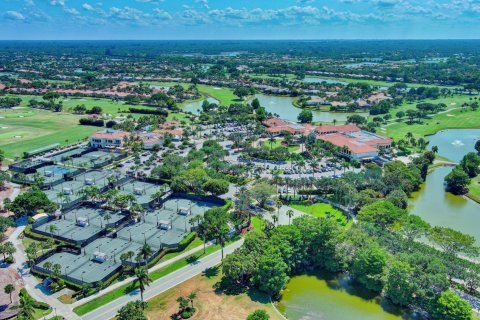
point(82, 222)
point(184, 211)
point(89, 181)
point(164, 225)
point(100, 256)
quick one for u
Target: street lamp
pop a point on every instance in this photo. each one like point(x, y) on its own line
point(130, 232)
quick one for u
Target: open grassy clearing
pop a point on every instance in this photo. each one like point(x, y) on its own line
point(288, 76)
point(454, 119)
point(20, 133)
point(210, 303)
point(320, 210)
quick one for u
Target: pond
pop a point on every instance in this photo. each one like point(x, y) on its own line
point(326, 296)
point(320, 80)
point(442, 208)
point(193, 107)
point(453, 144)
point(283, 106)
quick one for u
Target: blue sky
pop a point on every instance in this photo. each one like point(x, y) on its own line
point(239, 19)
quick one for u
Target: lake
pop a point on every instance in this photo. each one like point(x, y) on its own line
point(455, 143)
point(283, 106)
point(440, 208)
point(327, 296)
point(193, 107)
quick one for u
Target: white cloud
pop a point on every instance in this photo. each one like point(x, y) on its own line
point(72, 11)
point(87, 7)
point(14, 15)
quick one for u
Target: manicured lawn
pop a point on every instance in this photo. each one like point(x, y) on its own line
point(383, 83)
point(454, 119)
point(125, 289)
point(224, 95)
point(474, 189)
point(278, 143)
point(27, 129)
point(320, 210)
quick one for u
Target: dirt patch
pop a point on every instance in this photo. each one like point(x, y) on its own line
point(9, 276)
point(209, 304)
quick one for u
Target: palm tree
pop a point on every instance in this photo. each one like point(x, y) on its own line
point(275, 219)
point(52, 228)
point(143, 279)
point(48, 266)
point(290, 215)
point(271, 140)
point(9, 289)
point(192, 296)
point(26, 306)
point(435, 149)
point(107, 217)
point(145, 251)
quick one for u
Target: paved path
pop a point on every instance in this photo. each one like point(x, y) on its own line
point(33, 286)
point(171, 280)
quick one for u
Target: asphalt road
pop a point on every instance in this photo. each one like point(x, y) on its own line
point(161, 285)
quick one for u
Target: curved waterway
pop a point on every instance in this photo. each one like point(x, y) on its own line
point(283, 106)
point(326, 296)
point(433, 203)
point(440, 208)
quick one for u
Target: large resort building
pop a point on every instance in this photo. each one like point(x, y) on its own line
point(354, 143)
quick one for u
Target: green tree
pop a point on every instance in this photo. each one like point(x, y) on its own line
point(477, 146)
point(262, 191)
point(382, 213)
point(143, 280)
point(30, 202)
point(271, 272)
point(215, 225)
point(457, 181)
point(368, 267)
point(216, 187)
point(134, 310)
point(305, 116)
point(453, 242)
point(399, 285)
point(26, 306)
point(471, 164)
point(414, 227)
point(9, 289)
point(450, 306)
point(258, 315)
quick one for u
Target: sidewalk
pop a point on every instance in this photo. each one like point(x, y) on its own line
point(33, 286)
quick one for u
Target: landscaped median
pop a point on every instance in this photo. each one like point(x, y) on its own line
point(155, 275)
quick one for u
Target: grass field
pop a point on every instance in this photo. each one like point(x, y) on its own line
point(383, 83)
point(320, 210)
point(278, 143)
point(474, 189)
point(27, 129)
point(224, 95)
point(210, 303)
point(454, 119)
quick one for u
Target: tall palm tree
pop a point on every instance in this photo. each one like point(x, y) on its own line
point(192, 296)
point(290, 215)
point(145, 251)
point(26, 306)
point(143, 279)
